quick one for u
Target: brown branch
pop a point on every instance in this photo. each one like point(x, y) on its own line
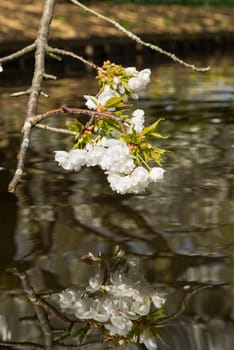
point(18, 54)
point(72, 54)
point(41, 44)
point(64, 109)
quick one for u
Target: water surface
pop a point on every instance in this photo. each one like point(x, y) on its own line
point(182, 227)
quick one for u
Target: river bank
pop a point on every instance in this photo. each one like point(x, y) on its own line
point(200, 26)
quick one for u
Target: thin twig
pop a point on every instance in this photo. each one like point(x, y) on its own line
point(18, 54)
point(49, 76)
point(138, 39)
point(56, 130)
point(41, 44)
point(20, 93)
point(72, 54)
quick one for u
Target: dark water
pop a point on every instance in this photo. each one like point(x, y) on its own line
point(182, 228)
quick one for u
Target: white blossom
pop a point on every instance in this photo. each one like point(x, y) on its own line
point(94, 155)
point(77, 158)
point(140, 80)
point(156, 174)
point(118, 159)
point(138, 120)
point(91, 102)
point(72, 160)
point(110, 142)
point(1, 69)
point(106, 95)
point(131, 70)
point(62, 157)
point(136, 182)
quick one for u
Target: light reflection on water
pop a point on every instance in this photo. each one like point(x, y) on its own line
point(182, 227)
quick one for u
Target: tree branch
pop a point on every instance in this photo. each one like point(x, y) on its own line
point(138, 39)
point(56, 130)
point(72, 54)
point(35, 90)
point(18, 54)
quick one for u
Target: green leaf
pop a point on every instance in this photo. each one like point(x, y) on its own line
point(151, 128)
point(157, 135)
point(113, 102)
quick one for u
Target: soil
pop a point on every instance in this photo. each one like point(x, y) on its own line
point(19, 20)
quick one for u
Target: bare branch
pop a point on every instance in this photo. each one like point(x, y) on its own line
point(18, 54)
point(41, 314)
point(41, 44)
point(49, 76)
point(138, 39)
point(72, 54)
point(20, 93)
point(56, 130)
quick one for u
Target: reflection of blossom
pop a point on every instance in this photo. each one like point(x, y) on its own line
point(5, 333)
point(158, 300)
point(68, 298)
point(117, 302)
point(149, 342)
point(95, 282)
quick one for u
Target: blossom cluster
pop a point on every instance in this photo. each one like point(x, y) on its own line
point(124, 304)
point(114, 157)
point(117, 141)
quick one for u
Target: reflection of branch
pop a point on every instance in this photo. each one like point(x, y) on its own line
point(18, 54)
point(138, 39)
point(41, 314)
point(41, 44)
point(183, 306)
point(38, 301)
point(71, 54)
point(17, 345)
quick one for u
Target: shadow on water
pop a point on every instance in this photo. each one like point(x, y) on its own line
point(182, 228)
